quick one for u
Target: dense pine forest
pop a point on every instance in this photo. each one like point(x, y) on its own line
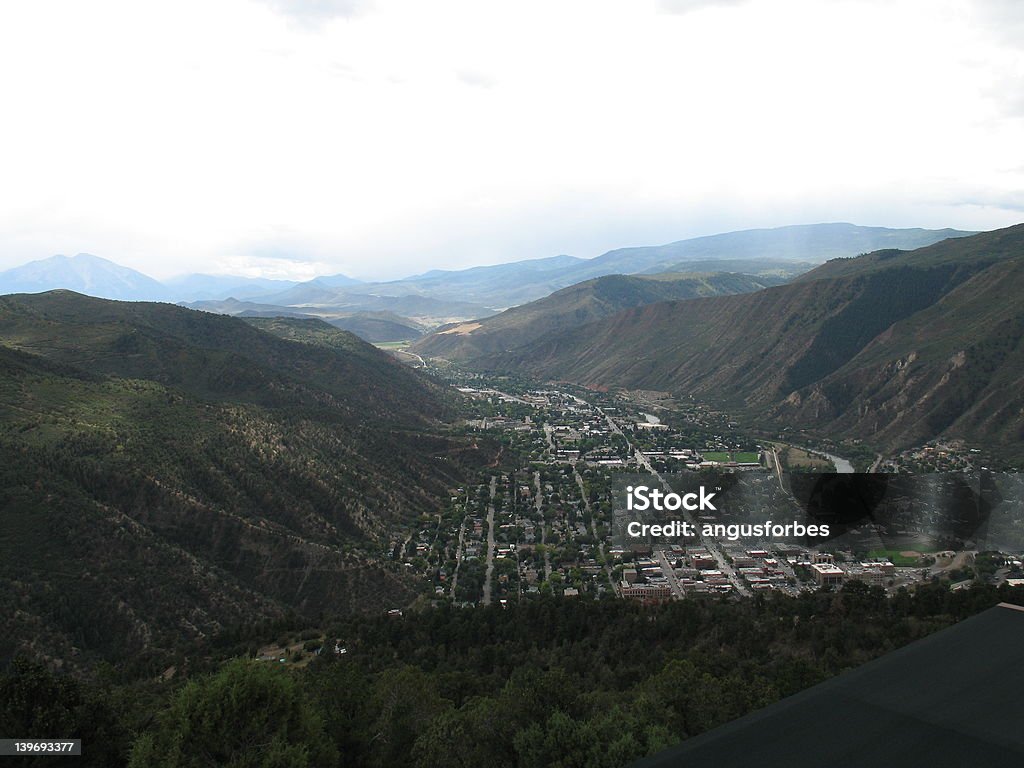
point(550, 682)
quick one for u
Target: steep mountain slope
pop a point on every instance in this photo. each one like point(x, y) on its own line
point(574, 306)
point(985, 248)
point(955, 368)
point(83, 273)
point(892, 348)
point(168, 473)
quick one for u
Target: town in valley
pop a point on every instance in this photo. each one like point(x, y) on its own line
point(548, 517)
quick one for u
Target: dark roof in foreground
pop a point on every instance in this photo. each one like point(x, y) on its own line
point(954, 698)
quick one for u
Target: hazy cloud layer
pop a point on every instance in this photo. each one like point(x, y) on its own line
point(386, 138)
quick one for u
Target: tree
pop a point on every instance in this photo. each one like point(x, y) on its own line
point(405, 701)
point(248, 715)
point(38, 704)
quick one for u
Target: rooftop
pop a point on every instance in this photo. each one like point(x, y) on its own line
point(952, 698)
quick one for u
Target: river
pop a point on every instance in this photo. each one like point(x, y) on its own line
point(842, 465)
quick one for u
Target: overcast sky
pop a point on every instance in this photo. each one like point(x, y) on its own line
point(382, 138)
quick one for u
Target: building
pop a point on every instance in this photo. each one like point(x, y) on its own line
point(876, 572)
point(703, 562)
point(653, 592)
point(827, 574)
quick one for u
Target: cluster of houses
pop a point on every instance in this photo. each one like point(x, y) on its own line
point(698, 572)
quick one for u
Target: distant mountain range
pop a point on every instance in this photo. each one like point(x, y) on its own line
point(83, 273)
point(508, 285)
point(892, 348)
point(438, 297)
point(805, 242)
point(104, 279)
point(498, 286)
point(184, 472)
point(211, 287)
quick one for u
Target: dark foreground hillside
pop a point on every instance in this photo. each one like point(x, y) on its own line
point(894, 710)
point(165, 473)
point(543, 683)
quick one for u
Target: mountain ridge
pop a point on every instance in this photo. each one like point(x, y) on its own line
point(818, 351)
point(576, 305)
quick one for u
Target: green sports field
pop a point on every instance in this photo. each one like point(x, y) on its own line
point(895, 556)
point(716, 456)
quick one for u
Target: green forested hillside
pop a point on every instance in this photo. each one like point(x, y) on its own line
point(366, 326)
point(211, 355)
point(167, 472)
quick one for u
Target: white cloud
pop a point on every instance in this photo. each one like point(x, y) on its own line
point(314, 12)
point(686, 6)
point(475, 79)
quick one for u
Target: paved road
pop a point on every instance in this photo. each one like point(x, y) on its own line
point(615, 427)
point(458, 549)
point(709, 543)
point(593, 530)
point(673, 582)
point(551, 442)
point(490, 543)
point(539, 501)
